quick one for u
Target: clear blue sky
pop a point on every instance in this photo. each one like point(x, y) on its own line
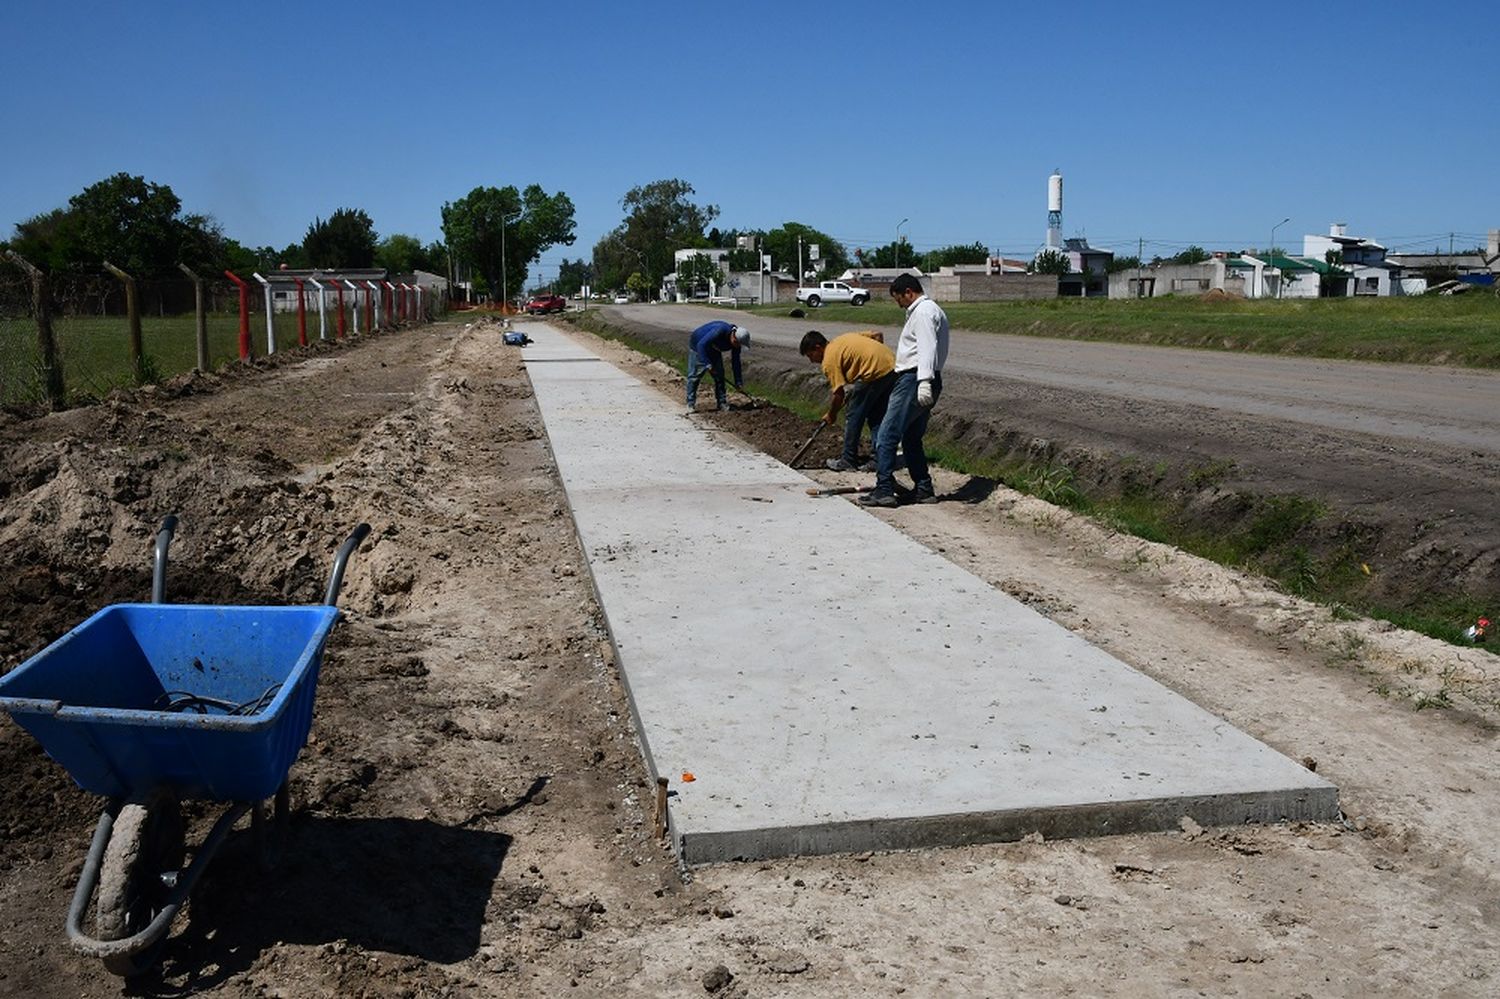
point(1174, 122)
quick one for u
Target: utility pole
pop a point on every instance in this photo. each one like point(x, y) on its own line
point(1140, 249)
point(800, 272)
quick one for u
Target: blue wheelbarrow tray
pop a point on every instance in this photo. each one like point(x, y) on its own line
point(92, 698)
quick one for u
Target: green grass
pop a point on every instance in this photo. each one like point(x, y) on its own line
point(95, 349)
point(1461, 329)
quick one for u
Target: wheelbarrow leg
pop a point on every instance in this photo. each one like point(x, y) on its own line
point(136, 877)
point(269, 830)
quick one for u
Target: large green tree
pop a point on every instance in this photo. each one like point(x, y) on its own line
point(660, 219)
point(402, 254)
point(499, 231)
point(129, 221)
point(781, 244)
point(951, 256)
point(347, 239)
point(572, 275)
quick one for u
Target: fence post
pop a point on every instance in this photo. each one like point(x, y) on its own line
point(270, 322)
point(133, 317)
point(301, 312)
point(353, 304)
point(202, 314)
point(41, 303)
point(244, 313)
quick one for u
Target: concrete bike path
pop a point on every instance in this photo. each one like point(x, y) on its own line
point(832, 685)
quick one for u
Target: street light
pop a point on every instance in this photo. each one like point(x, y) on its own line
point(898, 241)
point(505, 220)
point(1271, 254)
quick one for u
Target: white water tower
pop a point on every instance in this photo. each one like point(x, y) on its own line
point(1054, 211)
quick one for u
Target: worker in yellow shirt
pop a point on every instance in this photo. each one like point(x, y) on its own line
point(861, 370)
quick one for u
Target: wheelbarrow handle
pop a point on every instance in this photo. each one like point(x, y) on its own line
point(159, 565)
point(336, 578)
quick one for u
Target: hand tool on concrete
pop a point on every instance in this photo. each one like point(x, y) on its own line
point(839, 490)
point(803, 449)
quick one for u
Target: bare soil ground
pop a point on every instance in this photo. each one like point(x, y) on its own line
point(471, 816)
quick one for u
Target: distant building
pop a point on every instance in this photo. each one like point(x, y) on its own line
point(1088, 275)
point(1364, 259)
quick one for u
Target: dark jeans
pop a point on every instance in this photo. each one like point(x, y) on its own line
point(905, 423)
point(864, 405)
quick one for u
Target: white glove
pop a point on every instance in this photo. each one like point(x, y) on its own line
point(924, 393)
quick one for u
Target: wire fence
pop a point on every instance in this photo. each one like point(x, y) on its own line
point(89, 324)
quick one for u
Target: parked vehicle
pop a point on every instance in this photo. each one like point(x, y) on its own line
point(622, 299)
point(833, 291)
point(540, 304)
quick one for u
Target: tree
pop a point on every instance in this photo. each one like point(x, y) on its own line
point(950, 256)
point(402, 254)
point(659, 220)
point(781, 244)
point(889, 255)
point(572, 275)
point(1192, 255)
point(696, 272)
point(346, 240)
point(500, 230)
point(1050, 262)
point(1118, 264)
point(613, 261)
point(638, 285)
point(134, 224)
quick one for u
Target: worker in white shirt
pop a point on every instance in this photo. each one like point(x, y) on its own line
point(920, 355)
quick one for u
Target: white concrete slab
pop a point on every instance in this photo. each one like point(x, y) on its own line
point(834, 685)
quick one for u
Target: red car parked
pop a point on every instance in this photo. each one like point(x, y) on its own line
point(546, 303)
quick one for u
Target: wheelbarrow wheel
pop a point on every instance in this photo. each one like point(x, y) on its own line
point(145, 845)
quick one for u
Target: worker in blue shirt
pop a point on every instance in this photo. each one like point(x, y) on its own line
point(706, 354)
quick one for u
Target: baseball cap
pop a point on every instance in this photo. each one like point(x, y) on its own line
point(742, 335)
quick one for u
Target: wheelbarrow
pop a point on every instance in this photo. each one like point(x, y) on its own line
point(153, 704)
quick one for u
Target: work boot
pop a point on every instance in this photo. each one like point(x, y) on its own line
point(868, 466)
point(878, 497)
point(839, 465)
point(923, 494)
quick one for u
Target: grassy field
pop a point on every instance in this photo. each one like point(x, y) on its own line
point(95, 349)
point(1460, 330)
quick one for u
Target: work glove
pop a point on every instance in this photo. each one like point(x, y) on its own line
point(924, 393)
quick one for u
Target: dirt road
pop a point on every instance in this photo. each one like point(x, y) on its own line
point(1406, 457)
point(471, 816)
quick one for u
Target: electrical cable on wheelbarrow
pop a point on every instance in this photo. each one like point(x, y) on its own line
point(184, 700)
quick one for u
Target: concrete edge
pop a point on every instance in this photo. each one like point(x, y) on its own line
point(619, 665)
point(1303, 804)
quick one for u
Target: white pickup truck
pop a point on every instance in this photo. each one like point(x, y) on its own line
point(833, 291)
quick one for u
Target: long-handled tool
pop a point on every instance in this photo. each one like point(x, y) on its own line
point(803, 449)
point(839, 490)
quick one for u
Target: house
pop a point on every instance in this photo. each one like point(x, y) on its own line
point(1364, 259)
point(878, 279)
point(1088, 274)
point(1422, 270)
point(1232, 275)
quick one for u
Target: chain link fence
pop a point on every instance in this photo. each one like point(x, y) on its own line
point(90, 326)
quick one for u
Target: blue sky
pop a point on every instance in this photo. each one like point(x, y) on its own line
point(1174, 123)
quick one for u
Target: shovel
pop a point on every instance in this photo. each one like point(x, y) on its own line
point(803, 449)
point(839, 490)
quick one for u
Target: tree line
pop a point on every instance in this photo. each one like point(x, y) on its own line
point(492, 234)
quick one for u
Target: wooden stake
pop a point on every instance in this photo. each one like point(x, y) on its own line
point(659, 818)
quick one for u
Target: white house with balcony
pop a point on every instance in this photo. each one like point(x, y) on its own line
point(1363, 258)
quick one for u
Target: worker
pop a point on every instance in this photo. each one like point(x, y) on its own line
point(920, 354)
point(860, 370)
point(706, 354)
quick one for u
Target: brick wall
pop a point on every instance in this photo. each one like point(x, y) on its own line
point(991, 287)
